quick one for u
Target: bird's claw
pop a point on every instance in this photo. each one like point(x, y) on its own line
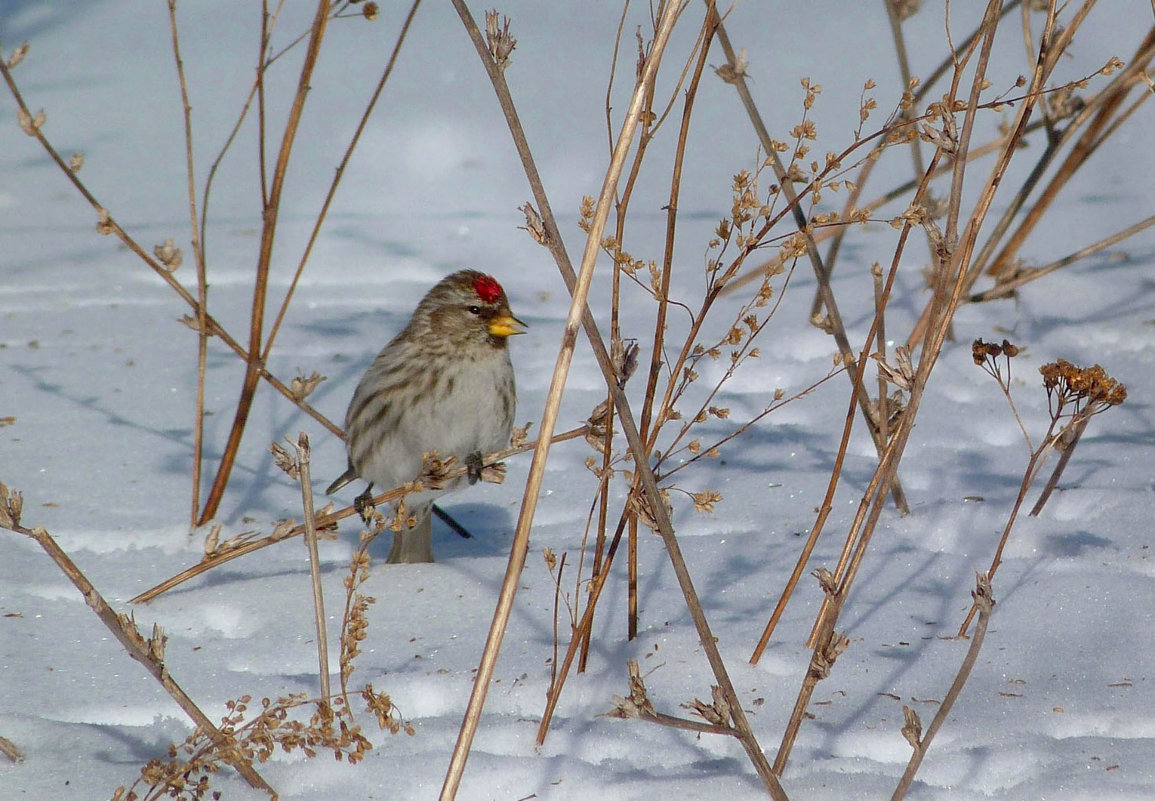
point(364, 505)
point(474, 464)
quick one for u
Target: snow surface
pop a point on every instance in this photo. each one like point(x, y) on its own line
point(100, 380)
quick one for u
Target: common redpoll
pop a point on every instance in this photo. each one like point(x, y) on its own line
point(444, 384)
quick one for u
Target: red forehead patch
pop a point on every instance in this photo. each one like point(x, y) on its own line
point(487, 288)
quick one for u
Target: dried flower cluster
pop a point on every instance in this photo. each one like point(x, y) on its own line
point(987, 356)
point(185, 773)
point(497, 36)
point(1090, 389)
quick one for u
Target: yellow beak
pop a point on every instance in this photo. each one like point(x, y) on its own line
point(505, 325)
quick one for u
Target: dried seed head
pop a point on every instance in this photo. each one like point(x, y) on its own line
point(533, 224)
point(302, 386)
point(905, 9)
point(704, 501)
point(104, 224)
point(29, 124)
point(171, 257)
point(520, 435)
point(912, 730)
point(624, 355)
point(285, 460)
point(734, 71)
point(18, 55)
point(498, 38)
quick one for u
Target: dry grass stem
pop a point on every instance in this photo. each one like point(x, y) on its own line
point(148, 651)
point(303, 459)
point(326, 520)
point(984, 602)
point(270, 215)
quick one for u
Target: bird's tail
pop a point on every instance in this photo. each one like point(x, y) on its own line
point(349, 475)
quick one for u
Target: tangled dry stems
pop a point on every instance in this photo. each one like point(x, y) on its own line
point(657, 451)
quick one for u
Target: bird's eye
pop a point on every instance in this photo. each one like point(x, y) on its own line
point(475, 310)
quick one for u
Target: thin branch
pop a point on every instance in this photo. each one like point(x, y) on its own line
point(579, 311)
point(148, 652)
point(254, 366)
point(821, 272)
point(109, 225)
point(220, 557)
point(199, 259)
point(388, 71)
point(985, 602)
point(304, 453)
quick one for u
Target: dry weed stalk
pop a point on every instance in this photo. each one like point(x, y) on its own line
point(148, 651)
point(256, 354)
point(218, 553)
point(984, 602)
point(185, 772)
point(297, 466)
point(1074, 396)
point(954, 253)
point(580, 315)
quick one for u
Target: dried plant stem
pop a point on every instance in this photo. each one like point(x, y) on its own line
point(323, 521)
point(304, 453)
point(581, 632)
point(1007, 284)
point(657, 350)
point(1076, 433)
point(320, 221)
point(109, 224)
point(649, 484)
point(578, 311)
point(954, 258)
point(199, 259)
point(1034, 465)
point(821, 271)
point(1099, 117)
point(141, 650)
point(984, 601)
point(1095, 134)
point(254, 365)
point(882, 297)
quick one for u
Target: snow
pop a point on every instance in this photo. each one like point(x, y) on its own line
point(100, 379)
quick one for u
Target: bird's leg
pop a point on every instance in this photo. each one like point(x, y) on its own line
point(474, 464)
point(364, 505)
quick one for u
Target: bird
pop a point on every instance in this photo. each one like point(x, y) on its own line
point(445, 383)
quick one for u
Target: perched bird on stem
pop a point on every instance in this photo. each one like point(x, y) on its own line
point(444, 384)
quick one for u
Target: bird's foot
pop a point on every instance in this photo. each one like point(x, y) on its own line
point(364, 505)
point(474, 464)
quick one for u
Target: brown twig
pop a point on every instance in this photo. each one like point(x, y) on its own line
point(581, 314)
point(304, 453)
point(108, 225)
point(320, 221)
point(921, 742)
point(148, 652)
point(821, 271)
point(1007, 284)
point(218, 558)
point(199, 259)
point(955, 253)
point(657, 349)
point(578, 310)
point(1073, 436)
point(254, 366)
